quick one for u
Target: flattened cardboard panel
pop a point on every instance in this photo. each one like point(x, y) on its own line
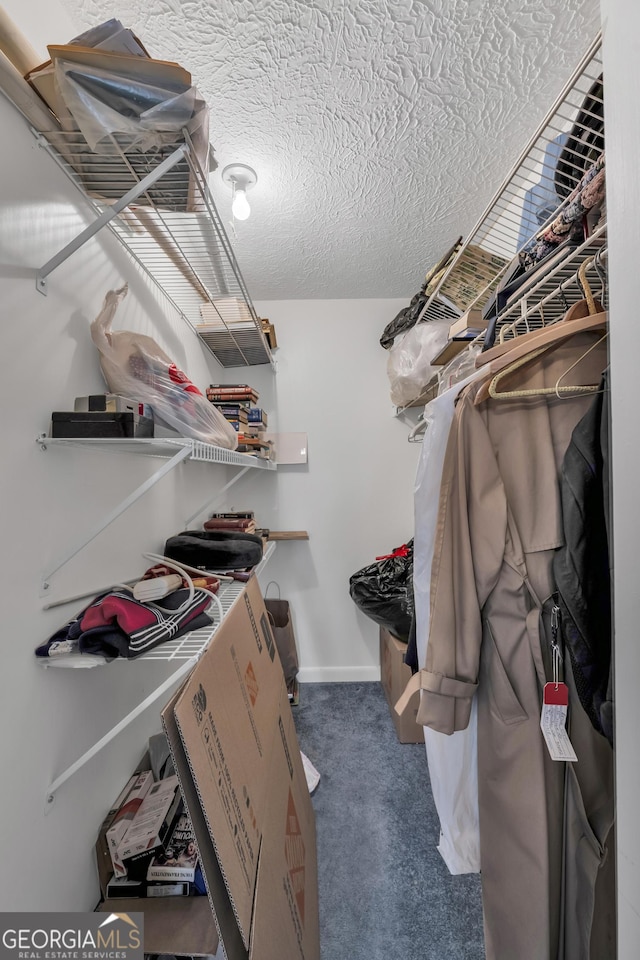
point(180, 926)
point(225, 716)
point(218, 898)
point(286, 912)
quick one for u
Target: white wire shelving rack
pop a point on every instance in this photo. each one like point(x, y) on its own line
point(183, 652)
point(159, 205)
point(576, 118)
point(172, 451)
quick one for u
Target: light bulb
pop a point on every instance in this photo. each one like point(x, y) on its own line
point(240, 206)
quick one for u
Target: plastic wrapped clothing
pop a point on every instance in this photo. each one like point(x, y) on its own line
point(452, 759)
point(134, 366)
point(384, 591)
point(148, 113)
point(409, 361)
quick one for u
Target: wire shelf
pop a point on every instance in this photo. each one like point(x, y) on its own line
point(548, 300)
point(572, 132)
point(174, 232)
point(193, 644)
point(188, 647)
point(183, 653)
point(164, 448)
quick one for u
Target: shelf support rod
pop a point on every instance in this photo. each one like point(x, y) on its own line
point(177, 458)
point(184, 668)
point(215, 497)
point(107, 215)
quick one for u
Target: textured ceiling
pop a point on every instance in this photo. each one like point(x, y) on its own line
point(379, 129)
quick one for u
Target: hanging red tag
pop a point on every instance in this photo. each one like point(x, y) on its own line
point(555, 702)
point(556, 694)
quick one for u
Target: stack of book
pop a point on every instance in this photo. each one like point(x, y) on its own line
point(146, 846)
point(236, 402)
point(242, 522)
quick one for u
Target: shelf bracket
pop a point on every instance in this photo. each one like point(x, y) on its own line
point(215, 497)
point(150, 482)
point(107, 215)
point(164, 687)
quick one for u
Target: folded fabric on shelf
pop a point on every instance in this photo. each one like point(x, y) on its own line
point(115, 624)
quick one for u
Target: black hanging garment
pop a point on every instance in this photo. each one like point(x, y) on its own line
point(581, 568)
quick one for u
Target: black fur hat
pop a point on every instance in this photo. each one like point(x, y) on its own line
point(215, 549)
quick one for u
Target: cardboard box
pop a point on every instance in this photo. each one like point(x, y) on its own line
point(472, 319)
point(236, 753)
point(124, 818)
point(394, 676)
point(178, 926)
point(141, 889)
point(151, 827)
point(103, 856)
point(218, 903)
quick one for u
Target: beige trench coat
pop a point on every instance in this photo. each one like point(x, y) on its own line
point(543, 824)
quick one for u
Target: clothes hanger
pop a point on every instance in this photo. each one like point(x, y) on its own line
point(556, 390)
point(416, 434)
point(575, 312)
point(593, 320)
point(589, 305)
point(531, 346)
point(587, 314)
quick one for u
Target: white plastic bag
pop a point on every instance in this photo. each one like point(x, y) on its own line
point(409, 362)
point(134, 366)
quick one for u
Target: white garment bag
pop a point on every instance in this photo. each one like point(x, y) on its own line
point(452, 760)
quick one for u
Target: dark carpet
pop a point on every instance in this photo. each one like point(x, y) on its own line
point(385, 893)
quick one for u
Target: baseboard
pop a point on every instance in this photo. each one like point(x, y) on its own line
point(339, 674)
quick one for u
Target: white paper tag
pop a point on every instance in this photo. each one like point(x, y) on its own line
point(553, 722)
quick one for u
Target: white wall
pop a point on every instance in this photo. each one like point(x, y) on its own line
point(621, 31)
point(49, 718)
point(355, 496)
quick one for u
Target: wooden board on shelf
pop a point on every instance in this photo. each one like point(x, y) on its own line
point(288, 535)
point(450, 350)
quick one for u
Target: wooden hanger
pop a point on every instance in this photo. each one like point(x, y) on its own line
point(575, 312)
point(583, 308)
point(527, 348)
point(557, 390)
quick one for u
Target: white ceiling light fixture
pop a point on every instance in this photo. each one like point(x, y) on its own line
point(240, 178)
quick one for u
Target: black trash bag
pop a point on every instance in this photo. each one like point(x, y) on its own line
point(384, 591)
point(403, 321)
point(408, 316)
